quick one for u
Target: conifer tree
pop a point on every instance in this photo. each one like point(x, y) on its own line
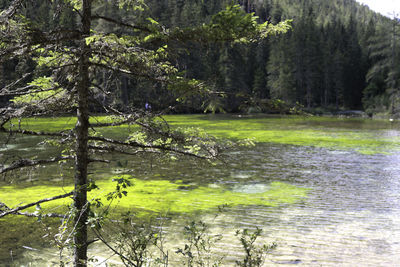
point(74, 59)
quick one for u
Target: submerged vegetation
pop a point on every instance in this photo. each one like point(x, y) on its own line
point(337, 133)
point(153, 193)
point(162, 196)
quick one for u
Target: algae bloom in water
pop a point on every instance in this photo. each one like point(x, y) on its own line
point(163, 195)
point(172, 197)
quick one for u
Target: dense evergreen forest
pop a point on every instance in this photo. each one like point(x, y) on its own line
point(338, 55)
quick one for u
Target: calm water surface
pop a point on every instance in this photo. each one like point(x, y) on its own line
point(351, 216)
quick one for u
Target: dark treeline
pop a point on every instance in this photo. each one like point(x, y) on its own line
point(338, 55)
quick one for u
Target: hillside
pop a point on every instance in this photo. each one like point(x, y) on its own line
point(338, 55)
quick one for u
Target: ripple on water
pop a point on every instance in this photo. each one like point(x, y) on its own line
point(250, 188)
point(351, 216)
point(8, 147)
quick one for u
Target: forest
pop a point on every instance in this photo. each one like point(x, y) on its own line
point(338, 55)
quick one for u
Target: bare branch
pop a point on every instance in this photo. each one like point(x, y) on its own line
point(138, 145)
point(11, 10)
point(46, 215)
point(21, 91)
point(27, 132)
point(117, 123)
point(99, 160)
point(4, 207)
point(99, 236)
point(36, 39)
point(129, 72)
point(7, 87)
point(100, 88)
point(14, 211)
point(22, 163)
point(117, 150)
point(121, 23)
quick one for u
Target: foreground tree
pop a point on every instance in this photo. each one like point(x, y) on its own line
point(75, 71)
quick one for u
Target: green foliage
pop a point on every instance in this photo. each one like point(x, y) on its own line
point(76, 4)
point(141, 244)
point(198, 249)
point(45, 90)
point(322, 61)
point(37, 97)
point(242, 27)
point(272, 106)
point(120, 188)
point(384, 76)
point(135, 5)
point(254, 256)
point(133, 242)
point(214, 105)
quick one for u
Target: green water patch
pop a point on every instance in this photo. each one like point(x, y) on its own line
point(161, 196)
point(361, 135)
point(14, 196)
point(53, 124)
point(43, 123)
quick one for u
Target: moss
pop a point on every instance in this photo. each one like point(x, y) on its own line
point(160, 196)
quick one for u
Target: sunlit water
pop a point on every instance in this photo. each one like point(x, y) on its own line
point(351, 216)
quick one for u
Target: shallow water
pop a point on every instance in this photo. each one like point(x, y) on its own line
point(350, 217)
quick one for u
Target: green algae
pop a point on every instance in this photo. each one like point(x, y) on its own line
point(361, 135)
point(14, 196)
point(160, 196)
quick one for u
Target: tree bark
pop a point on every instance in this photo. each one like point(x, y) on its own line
point(81, 131)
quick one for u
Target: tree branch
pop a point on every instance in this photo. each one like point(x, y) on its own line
point(11, 10)
point(129, 72)
point(118, 123)
point(22, 163)
point(99, 236)
point(29, 214)
point(121, 23)
point(16, 210)
point(7, 87)
point(27, 132)
point(99, 160)
point(114, 149)
point(138, 145)
point(46, 215)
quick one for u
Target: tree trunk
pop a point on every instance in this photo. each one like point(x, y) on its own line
point(81, 131)
point(124, 90)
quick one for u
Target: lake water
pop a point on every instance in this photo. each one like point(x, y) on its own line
point(350, 216)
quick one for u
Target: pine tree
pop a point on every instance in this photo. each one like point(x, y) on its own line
point(74, 59)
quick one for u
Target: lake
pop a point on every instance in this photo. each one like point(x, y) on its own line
point(325, 190)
